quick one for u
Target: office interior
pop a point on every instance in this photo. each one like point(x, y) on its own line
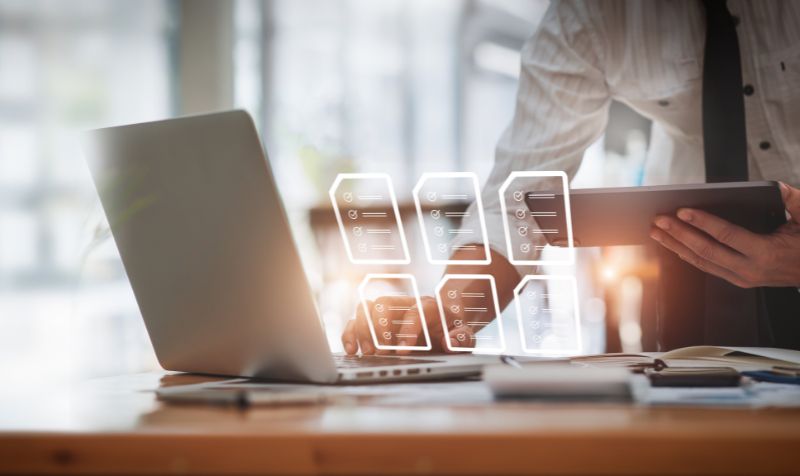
point(402, 87)
point(396, 86)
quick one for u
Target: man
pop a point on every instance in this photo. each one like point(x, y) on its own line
point(721, 83)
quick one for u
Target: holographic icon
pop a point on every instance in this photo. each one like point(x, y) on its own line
point(440, 199)
point(536, 214)
point(547, 313)
point(397, 310)
point(374, 228)
point(468, 310)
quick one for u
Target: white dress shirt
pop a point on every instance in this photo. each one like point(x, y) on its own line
point(649, 55)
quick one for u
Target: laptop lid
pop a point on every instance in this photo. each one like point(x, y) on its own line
point(202, 232)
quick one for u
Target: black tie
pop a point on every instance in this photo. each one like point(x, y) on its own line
point(731, 312)
point(696, 308)
point(766, 316)
point(724, 134)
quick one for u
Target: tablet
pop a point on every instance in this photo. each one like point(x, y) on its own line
point(624, 216)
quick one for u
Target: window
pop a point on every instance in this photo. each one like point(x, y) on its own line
point(64, 302)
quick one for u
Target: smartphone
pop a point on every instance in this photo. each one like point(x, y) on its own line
point(694, 377)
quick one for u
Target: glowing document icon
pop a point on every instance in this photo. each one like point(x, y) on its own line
point(393, 309)
point(440, 199)
point(369, 220)
point(547, 312)
point(535, 206)
point(467, 303)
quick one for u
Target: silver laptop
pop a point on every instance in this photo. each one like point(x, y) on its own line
point(206, 245)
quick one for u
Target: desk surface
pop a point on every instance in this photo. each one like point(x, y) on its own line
point(116, 424)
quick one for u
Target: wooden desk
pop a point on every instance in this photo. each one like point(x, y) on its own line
point(115, 425)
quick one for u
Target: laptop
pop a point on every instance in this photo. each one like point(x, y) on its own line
point(196, 215)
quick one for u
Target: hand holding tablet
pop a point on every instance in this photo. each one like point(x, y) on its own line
point(734, 253)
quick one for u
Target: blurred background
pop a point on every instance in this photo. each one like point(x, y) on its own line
point(396, 86)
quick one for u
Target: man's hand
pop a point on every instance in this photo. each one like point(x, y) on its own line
point(357, 334)
point(733, 253)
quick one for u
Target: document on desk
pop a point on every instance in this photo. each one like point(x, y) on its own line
point(739, 358)
point(757, 356)
point(754, 395)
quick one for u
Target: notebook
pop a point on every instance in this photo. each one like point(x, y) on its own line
point(739, 358)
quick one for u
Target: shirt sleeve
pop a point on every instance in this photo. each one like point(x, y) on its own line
point(561, 109)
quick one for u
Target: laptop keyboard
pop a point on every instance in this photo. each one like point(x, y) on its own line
point(356, 361)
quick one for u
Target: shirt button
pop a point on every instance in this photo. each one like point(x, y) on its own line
point(764, 145)
point(663, 103)
point(748, 90)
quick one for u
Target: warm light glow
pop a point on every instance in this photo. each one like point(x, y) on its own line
point(631, 335)
point(630, 314)
point(609, 273)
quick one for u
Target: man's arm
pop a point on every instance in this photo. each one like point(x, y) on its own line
point(561, 109)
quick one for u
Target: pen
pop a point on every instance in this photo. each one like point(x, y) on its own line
point(509, 360)
point(658, 365)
